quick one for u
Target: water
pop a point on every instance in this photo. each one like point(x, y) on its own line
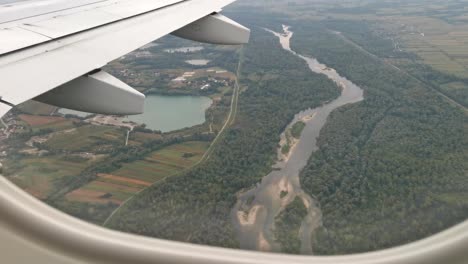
point(65, 111)
point(166, 113)
point(254, 221)
point(198, 62)
point(184, 50)
point(169, 113)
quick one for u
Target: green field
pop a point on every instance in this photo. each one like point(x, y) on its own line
point(37, 175)
point(134, 177)
point(86, 137)
point(165, 162)
point(63, 125)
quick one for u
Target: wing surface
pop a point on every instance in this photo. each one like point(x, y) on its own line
point(57, 44)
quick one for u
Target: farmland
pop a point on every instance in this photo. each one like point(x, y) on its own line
point(389, 170)
point(36, 175)
point(38, 123)
point(120, 185)
point(165, 162)
point(86, 137)
point(85, 166)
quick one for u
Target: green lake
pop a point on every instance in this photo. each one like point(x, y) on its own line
point(167, 113)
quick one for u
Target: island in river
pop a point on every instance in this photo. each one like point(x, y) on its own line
point(257, 209)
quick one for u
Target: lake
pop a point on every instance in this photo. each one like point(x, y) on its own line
point(167, 113)
point(184, 49)
point(198, 62)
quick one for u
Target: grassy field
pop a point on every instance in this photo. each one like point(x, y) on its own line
point(86, 137)
point(133, 177)
point(36, 175)
point(165, 162)
point(55, 123)
point(438, 43)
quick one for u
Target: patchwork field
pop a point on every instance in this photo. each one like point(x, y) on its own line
point(46, 122)
point(438, 43)
point(86, 137)
point(41, 120)
point(134, 177)
point(37, 175)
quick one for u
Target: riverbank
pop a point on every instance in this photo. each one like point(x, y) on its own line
point(256, 210)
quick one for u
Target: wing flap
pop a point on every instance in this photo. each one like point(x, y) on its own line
point(19, 12)
point(64, 25)
point(17, 38)
point(67, 19)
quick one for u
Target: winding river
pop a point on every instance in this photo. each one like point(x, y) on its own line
point(254, 214)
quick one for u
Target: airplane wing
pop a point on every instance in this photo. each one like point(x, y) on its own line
point(53, 50)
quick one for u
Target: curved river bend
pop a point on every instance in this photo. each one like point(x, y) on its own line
point(254, 214)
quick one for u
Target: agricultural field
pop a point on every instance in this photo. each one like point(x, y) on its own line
point(86, 137)
point(37, 175)
point(38, 122)
point(165, 162)
point(118, 186)
point(436, 42)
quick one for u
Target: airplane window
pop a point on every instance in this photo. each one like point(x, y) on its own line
point(340, 128)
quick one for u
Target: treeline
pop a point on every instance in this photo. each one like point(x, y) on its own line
point(391, 169)
point(196, 206)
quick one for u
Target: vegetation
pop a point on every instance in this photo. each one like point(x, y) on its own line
point(286, 148)
point(389, 170)
point(386, 165)
point(93, 212)
point(195, 206)
point(297, 128)
point(287, 226)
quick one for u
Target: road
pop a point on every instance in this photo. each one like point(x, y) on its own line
point(232, 112)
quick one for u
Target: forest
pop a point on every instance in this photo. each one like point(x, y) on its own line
point(287, 226)
point(195, 206)
point(391, 169)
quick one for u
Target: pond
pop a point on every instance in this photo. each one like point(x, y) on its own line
point(167, 113)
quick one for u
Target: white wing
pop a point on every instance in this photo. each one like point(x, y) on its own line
point(52, 50)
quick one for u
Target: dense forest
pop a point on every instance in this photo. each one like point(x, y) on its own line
point(287, 226)
point(391, 169)
point(195, 206)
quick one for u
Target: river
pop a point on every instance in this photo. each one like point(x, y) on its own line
point(254, 214)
